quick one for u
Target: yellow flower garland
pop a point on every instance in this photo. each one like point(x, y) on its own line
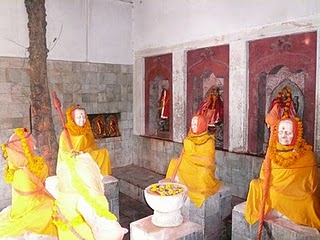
point(35, 163)
point(8, 174)
point(286, 156)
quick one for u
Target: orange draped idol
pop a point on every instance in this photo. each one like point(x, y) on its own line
point(197, 166)
point(82, 140)
point(293, 186)
point(32, 206)
point(212, 108)
point(82, 209)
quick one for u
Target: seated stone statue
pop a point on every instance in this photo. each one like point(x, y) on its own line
point(82, 210)
point(293, 187)
point(32, 205)
point(196, 166)
point(82, 139)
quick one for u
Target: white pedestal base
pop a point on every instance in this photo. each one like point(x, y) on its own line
point(170, 219)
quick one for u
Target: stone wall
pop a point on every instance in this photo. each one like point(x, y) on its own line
point(237, 170)
point(100, 88)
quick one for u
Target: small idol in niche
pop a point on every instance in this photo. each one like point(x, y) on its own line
point(212, 108)
point(164, 110)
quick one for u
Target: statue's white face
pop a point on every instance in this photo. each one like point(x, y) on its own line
point(194, 124)
point(80, 117)
point(285, 132)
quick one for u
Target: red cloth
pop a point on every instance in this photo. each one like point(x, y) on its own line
point(164, 109)
point(212, 108)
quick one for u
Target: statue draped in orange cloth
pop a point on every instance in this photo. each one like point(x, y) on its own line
point(82, 209)
point(197, 166)
point(32, 205)
point(82, 139)
point(293, 186)
point(212, 108)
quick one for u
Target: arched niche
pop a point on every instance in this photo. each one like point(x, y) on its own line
point(158, 76)
point(270, 85)
point(273, 63)
point(208, 68)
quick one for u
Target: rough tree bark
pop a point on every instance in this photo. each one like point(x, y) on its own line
point(42, 122)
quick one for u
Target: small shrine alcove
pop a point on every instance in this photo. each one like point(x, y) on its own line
point(208, 87)
point(275, 63)
point(158, 100)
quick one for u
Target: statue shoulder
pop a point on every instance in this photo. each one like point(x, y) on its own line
point(309, 158)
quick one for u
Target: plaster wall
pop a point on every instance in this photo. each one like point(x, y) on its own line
point(77, 30)
point(166, 23)
point(181, 21)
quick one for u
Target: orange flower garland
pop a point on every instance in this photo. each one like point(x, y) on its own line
point(72, 127)
point(288, 155)
point(35, 163)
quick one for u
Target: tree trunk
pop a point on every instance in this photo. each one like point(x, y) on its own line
point(42, 123)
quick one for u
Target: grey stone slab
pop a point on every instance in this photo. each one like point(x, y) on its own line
point(144, 229)
point(273, 228)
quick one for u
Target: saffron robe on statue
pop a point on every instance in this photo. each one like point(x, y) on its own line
point(28, 213)
point(82, 209)
point(197, 168)
point(293, 191)
point(86, 143)
point(31, 205)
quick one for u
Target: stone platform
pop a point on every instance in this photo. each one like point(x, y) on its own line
point(144, 229)
point(212, 215)
point(134, 179)
point(274, 228)
point(111, 191)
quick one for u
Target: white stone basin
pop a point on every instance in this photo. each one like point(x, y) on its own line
point(166, 208)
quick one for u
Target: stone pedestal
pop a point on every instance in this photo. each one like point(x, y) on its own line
point(273, 228)
point(146, 230)
point(212, 214)
point(166, 208)
point(111, 191)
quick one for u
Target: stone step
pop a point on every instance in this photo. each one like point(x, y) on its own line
point(134, 179)
point(274, 228)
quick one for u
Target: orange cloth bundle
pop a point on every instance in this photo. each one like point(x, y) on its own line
point(82, 140)
point(293, 192)
point(197, 167)
point(32, 207)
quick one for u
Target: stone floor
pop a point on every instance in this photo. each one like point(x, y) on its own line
point(131, 209)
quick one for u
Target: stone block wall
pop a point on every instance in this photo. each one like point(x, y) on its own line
point(274, 227)
point(212, 214)
point(236, 171)
point(100, 88)
point(154, 154)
